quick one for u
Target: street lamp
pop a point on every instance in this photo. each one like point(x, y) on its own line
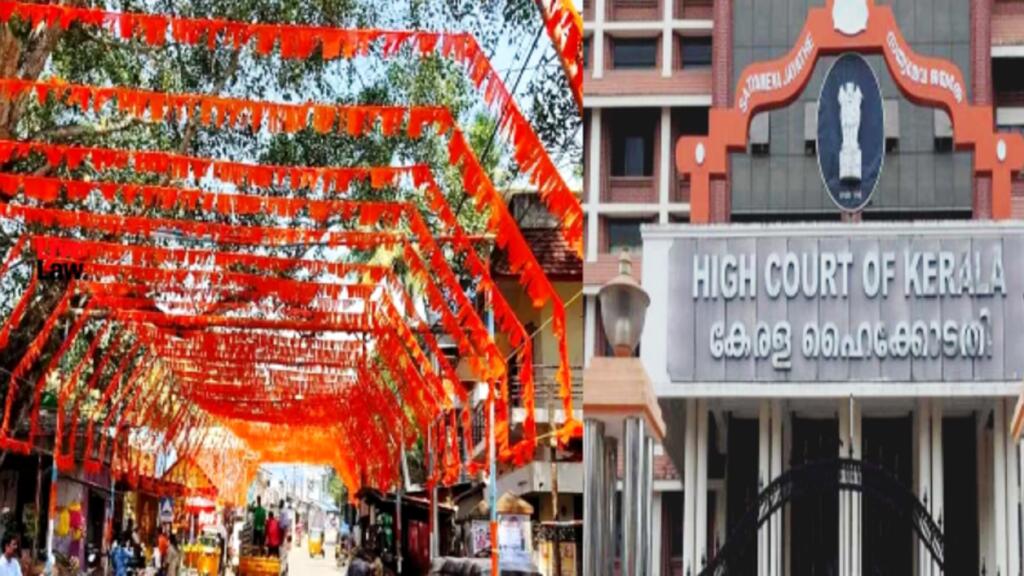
point(620, 409)
point(623, 308)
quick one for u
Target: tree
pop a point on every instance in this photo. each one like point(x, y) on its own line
point(87, 55)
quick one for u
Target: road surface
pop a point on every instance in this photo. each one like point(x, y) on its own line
point(300, 564)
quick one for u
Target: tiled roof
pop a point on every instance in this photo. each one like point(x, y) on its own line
point(557, 259)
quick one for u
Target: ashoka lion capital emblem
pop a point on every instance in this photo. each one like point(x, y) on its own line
point(850, 98)
point(850, 16)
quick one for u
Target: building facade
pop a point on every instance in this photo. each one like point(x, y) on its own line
point(892, 464)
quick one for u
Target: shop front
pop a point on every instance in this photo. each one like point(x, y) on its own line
point(837, 395)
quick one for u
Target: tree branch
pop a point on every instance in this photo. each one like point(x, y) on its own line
point(69, 132)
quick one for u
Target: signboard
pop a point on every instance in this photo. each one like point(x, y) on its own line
point(514, 540)
point(851, 132)
point(921, 303)
point(166, 510)
point(479, 536)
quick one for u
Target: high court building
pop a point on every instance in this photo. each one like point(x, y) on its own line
point(823, 201)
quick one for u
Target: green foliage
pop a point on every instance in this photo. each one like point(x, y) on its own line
point(86, 55)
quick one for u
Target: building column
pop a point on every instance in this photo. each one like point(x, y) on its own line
point(986, 543)
point(764, 473)
point(1012, 496)
point(590, 328)
point(594, 497)
point(594, 183)
point(849, 501)
point(775, 547)
point(632, 496)
point(981, 85)
point(650, 525)
point(668, 166)
point(598, 47)
point(690, 488)
point(922, 433)
point(938, 500)
point(611, 472)
point(701, 509)
point(999, 486)
point(657, 546)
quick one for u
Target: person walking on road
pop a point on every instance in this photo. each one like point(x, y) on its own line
point(173, 557)
point(10, 565)
point(259, 523)
point(273, 536)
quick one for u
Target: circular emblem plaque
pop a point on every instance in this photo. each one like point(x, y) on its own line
point(851, 132)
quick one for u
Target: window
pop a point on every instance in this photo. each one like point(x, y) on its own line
point(810, 128)
point(697, 52)
point(634, 53)
point(672, 504)
point(760, 134)
point(891, 109)
point(624, 233)
point(943, 132)
point(633, 145)
point(586, 52)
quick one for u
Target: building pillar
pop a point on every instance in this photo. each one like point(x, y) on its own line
point(981, 85)
point(787, 450)
point(924, 475)
point(1012, 497)
point(690, 489)
point(701, 508)
point(999, 486)
point(598, 48)
point(844, 497)
point(986, 543)
point(775, 547)
point(632, 498)
point(764, 473)
point(611, 472)
point(721, 80)
point(937, 469)
point(594, 182)
point(650, 526)
point(590, 328)
point(857, 512)
point(668, 166)
point(594, 497)
point(849, 501)
point(657, 546)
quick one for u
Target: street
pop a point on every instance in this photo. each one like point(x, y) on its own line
point(300, 564)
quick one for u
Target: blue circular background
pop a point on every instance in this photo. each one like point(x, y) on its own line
point(851, 68)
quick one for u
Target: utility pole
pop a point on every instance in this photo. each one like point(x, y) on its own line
point(553, 443)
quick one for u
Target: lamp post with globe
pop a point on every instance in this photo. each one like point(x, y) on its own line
point(620, 406)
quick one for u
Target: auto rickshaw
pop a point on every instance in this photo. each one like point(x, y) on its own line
point(316, 543)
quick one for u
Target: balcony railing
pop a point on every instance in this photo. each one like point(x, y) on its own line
point(546, 388)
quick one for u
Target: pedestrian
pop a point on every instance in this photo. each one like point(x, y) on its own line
point(162, 543)
point(273, 535)
point(10, 565)
point(285, 520)
point(122, 556)
point(360, 565)
point(173, 557)
point(259, 522)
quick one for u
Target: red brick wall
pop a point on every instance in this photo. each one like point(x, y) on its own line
point(634, 9)
point(981, 84)
point(721, 78)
